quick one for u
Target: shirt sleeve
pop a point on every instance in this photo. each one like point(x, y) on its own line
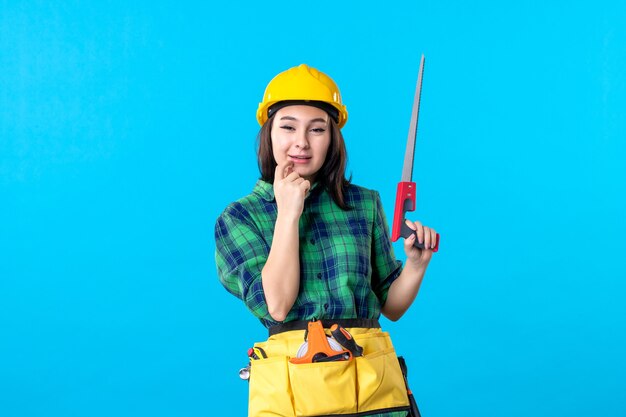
point(240, 254)
point(385, 267)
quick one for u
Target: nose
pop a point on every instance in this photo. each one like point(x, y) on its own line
point(302, 141)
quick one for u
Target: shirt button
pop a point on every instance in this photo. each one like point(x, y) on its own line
point(325, 306)
point(319, 275)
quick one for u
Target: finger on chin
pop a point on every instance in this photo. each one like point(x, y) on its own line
point(282, 170)
point(288, 169)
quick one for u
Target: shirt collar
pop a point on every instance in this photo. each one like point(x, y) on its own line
point(264, 189)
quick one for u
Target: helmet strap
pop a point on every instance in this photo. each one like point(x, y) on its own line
point(331, 110)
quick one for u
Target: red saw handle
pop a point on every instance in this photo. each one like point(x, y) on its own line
point(405, 201)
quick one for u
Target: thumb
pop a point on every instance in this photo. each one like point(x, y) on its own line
point(409, 242)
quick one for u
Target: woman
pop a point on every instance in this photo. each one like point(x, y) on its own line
point(307, 244)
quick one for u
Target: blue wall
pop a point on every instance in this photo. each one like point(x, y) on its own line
point(126, 127)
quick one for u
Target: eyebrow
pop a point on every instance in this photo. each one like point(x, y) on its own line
point(317, 119)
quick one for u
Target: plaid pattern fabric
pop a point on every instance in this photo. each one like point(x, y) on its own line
point(347, 262)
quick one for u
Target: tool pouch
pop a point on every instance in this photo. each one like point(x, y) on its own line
point(361, 386)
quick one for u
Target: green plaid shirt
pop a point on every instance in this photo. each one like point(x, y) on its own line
point(347, 262)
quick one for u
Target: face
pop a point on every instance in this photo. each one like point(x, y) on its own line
point(301, 136)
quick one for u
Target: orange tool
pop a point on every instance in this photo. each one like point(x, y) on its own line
point(318, 348)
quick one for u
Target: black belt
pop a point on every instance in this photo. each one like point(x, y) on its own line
point(326, 323)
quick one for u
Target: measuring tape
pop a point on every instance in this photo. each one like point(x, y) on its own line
point(304, 348)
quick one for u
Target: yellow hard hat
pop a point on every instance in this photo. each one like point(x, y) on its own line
point(303, 85)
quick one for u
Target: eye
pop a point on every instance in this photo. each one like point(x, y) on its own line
point(288, 128)
point(318, 130)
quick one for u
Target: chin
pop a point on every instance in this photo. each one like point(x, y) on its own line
point(304, 172)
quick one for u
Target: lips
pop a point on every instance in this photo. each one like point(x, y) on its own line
point(300, 158)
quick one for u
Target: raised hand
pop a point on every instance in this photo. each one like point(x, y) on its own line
point(426, 235)
point(290, 189)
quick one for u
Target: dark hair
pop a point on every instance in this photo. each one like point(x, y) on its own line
point(332, 173)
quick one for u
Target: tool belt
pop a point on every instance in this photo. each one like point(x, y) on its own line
point(363, 385)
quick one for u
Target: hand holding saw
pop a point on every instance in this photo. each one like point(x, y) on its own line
point(405, 195)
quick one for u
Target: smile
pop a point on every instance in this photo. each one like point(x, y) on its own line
point(299, 159)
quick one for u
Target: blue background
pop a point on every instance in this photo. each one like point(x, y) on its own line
point(125, 129)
